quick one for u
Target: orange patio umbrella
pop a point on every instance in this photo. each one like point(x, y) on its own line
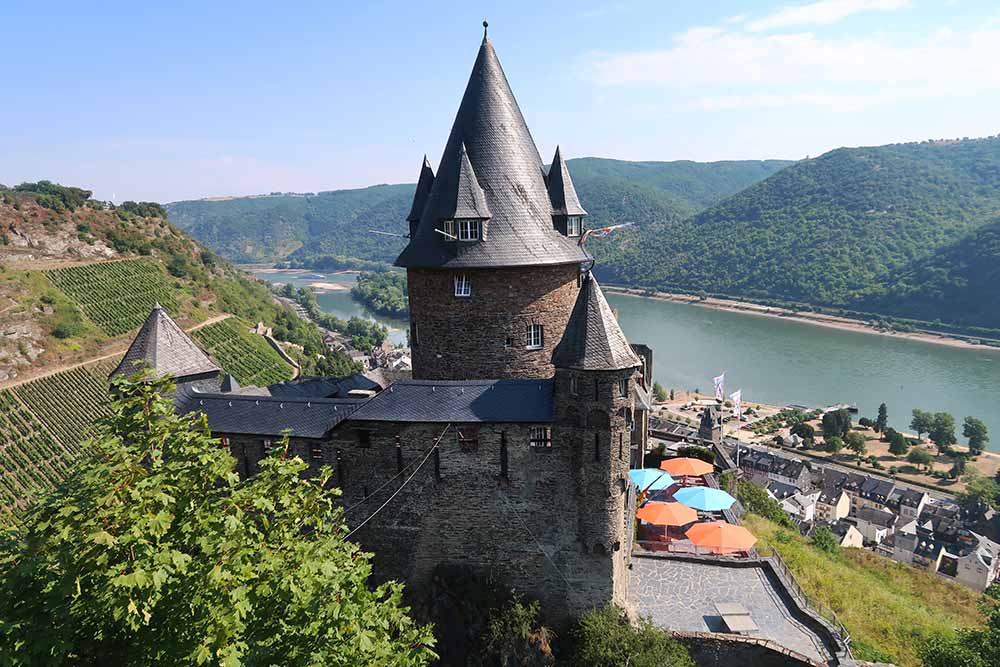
point(667, 514)
point(686, 467)
point(720, 537)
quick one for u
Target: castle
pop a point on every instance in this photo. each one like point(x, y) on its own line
point(509, 450)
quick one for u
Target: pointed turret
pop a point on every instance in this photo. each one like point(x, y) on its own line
point(562, 194)
point(229, 384)
point(593, 341)
point(162, 346)
point(420, 195)
point(509, 172)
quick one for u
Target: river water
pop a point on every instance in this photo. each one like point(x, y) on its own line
point(780, 361)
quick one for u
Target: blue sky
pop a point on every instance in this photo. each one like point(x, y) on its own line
point(192, 99)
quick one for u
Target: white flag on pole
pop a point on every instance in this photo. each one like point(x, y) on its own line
point(737, 397)
point(718, 382)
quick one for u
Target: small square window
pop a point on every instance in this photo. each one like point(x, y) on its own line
point(468, 230)
point(536, 337)
point(468, 439)
point(574, 385)
point(573, 225)
point(623, 388)
point(508, 343)
point(316, 453)
point(224, 441)
point(268, 446)
point(449, 229)
point(463, 286)
point(541, 436)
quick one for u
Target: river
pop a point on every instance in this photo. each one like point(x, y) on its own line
point(779, 361)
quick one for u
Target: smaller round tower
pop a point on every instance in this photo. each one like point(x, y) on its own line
point(596, 372)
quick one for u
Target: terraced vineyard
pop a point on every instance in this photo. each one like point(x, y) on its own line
point(32, 462)
point(68, 403)
point(116, 296)
point(248, 357)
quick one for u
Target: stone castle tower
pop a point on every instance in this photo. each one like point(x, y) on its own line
point(493, 262)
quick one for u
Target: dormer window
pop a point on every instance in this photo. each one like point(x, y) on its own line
point(449, 229)
point(468, 230)
point(573, 225)
point(463, 286)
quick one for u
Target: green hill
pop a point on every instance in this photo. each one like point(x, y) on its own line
point(77, 278)
point(838, 230)
point(303, 227)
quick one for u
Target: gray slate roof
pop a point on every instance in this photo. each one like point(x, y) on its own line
point(424, 184)
point(593, 340)
point(461, 401)
point(470, 201)
point(510, 172)
point(562, 194)
point(162, 346)
point(265, 415)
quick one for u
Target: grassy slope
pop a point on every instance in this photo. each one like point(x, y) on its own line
point(269, 228)
point(889, 608)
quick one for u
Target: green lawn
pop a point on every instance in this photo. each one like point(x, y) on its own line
point(889, 608)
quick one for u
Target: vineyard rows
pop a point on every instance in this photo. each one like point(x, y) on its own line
point(116, 296)
point(42, 424)
point(248, 357)
point(68, 403)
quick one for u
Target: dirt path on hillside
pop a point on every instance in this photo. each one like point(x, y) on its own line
point(118, 350)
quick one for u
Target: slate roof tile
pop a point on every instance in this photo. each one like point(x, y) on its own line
point(162, 346)
point(593, 340)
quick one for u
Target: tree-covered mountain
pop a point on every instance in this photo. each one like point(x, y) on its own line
point(303, 226)
point(855, 227)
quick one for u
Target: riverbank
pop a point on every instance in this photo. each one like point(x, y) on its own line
point(818, 319)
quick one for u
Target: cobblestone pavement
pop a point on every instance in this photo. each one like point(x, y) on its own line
point(682, 596)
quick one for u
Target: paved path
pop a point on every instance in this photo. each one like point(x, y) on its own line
point(682, 596)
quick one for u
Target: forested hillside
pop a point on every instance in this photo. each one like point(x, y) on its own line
point(305, 227)
point(855, 227)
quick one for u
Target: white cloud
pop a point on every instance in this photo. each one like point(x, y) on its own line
point(824, 12)
point(727, 69)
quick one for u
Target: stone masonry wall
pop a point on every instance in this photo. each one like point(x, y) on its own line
point(461, 338)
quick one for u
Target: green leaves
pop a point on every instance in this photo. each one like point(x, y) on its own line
point(154, 554)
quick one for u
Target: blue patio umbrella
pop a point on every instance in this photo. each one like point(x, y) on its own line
point(651, 479)
point(704, 498)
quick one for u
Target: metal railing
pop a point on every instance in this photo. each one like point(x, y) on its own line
point(766, 550)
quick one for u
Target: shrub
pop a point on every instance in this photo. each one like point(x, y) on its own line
point(823, 538)
point(605, 638)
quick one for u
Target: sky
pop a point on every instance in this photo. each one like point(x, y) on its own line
point(182, 100)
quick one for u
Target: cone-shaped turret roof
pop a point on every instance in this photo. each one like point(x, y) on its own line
point(562, 194)
point(424, 184)
point(510, 173)
point(593, 341)
point(162, 346)
point(470, 201)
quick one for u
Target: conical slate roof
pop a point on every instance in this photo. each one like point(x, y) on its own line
point(423, 190)
point(470, 201)
point(508, 169)
point(593, 341)
point(562, 194)
point(162, 346)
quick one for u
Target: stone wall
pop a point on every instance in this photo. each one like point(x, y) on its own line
point(484, 336)
point(718, 650)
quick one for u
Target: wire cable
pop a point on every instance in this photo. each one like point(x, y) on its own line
point(402, 486)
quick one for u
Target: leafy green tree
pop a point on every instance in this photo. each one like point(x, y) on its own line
point(975, 430)
point(922, 421)
point(659, 392)
point(835, 444)
point(156, 553)
point(919, 456)
point(974, 647)
point(804, 431)
point(671, 394)
point(823, 538)
point(958, 467)
point(512, 635)
point(755, 499)
point(942, 431)
point(856, 443)
point(882, 421)
point(981, 493)
point(836, 422)
point(606, 638)
point(898, 444)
